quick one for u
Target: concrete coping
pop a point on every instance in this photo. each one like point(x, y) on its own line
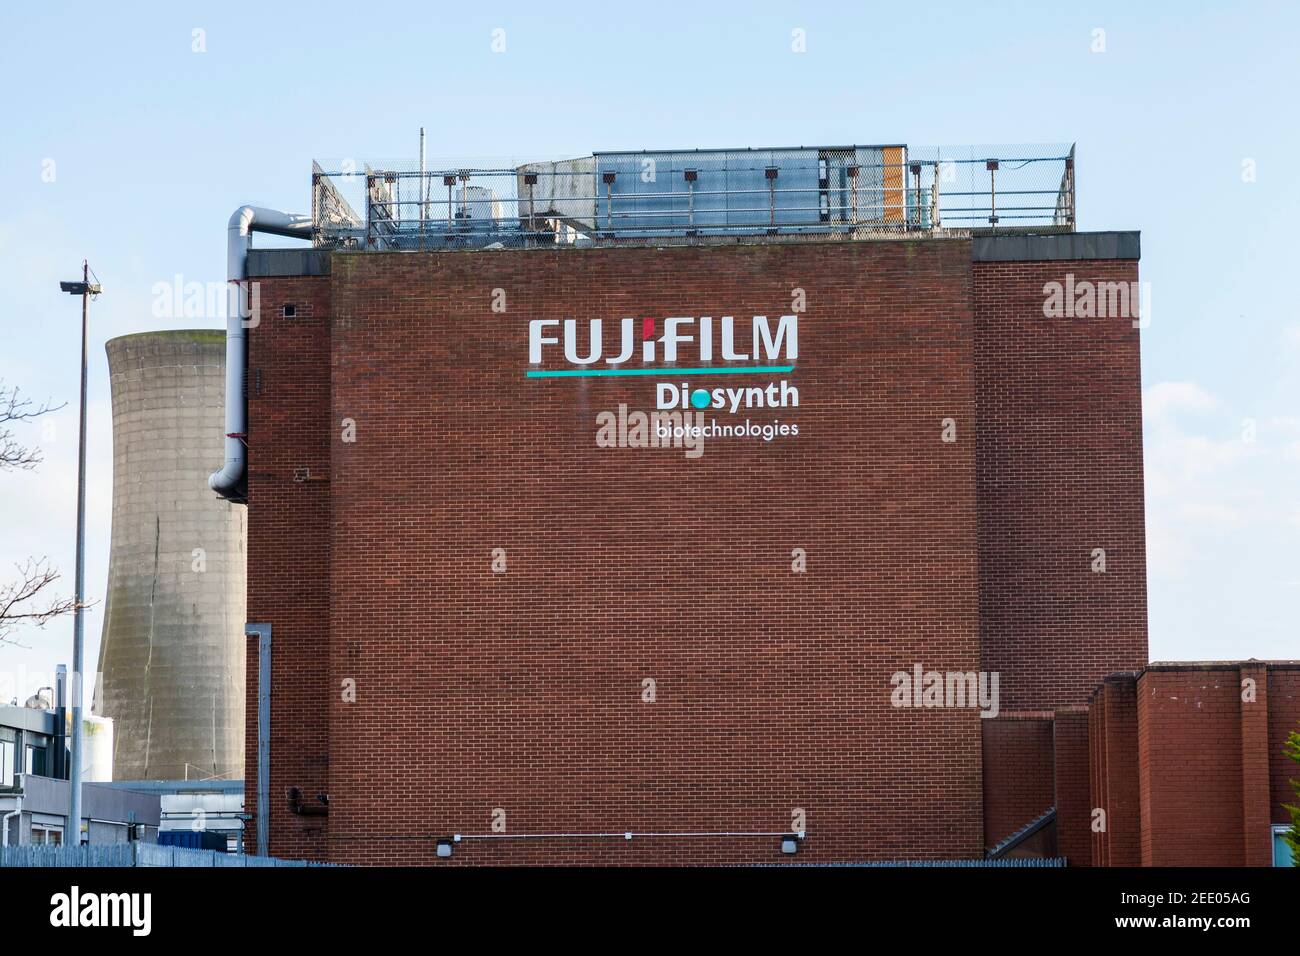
point(279, 263)
point(1057, 246)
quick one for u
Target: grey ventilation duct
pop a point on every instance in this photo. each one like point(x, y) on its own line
point(229, 481)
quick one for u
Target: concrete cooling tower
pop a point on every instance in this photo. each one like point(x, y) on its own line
point(172, 658)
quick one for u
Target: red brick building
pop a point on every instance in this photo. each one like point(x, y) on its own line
point(1198, 748)
point(522, 691)
point(872, 603)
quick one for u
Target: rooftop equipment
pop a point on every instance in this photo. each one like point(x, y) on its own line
point(653, 197)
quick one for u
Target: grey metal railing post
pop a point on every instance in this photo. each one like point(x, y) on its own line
point(934, 200)
point(770, 173)
point(370, 209)
point(992, 166)
point(316, 207)
point(690, 176)
point(915, 169)
point(421, 206)
point(1069, 172)
point(853, 192)
point(608, 179)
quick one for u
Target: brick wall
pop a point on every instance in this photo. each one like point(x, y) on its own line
point(1018, 773)
point(288, 551)
point(1072, 794)
point(1253, 707)
point(1283, 718)
point(1113, 766)
point(1059, 467)
point(523, 690)
point(1214, 775)
point(1190, 764)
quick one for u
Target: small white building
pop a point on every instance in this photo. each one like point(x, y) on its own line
point(34, 790)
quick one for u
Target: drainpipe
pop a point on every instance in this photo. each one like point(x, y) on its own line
point(228, 482)
point(263, 634)
point(60, 768)
point(4, 822)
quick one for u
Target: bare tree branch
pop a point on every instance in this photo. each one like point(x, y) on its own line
point(27, 600)
point(22, 600)
point(15, 408)
point(19, 599)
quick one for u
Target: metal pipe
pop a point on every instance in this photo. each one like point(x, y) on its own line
point(263, 633)
point(4, 823)
point(79, 588)
point(423, 190)
point(992, 166)
point(513, 171)
point(244, 221)
point(625, 835)
point(60, 722)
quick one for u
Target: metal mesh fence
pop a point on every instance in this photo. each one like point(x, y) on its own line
point(134, 854)
point(697, 196)
point(1003, 187)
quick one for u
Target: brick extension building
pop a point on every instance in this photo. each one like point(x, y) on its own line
point(486, 625)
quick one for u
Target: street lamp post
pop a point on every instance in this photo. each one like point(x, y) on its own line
point(85, 288)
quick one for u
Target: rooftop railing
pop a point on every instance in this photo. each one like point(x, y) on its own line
point(701, 196)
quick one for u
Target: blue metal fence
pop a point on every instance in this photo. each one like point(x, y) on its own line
point(132, 854)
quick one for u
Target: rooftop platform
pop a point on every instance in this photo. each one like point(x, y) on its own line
point(692, 197)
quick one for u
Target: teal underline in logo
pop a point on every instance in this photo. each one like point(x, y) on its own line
point(661, 372)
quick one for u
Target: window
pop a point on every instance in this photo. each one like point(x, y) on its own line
point(6, 763)
point(37, 761)
point(1281, 849)
point(47, 836)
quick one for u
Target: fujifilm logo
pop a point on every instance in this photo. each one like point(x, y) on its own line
point(682, 339)
point(685, 414)
point(102, 909)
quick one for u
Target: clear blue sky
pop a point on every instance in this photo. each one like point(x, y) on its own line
point(154, 145)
